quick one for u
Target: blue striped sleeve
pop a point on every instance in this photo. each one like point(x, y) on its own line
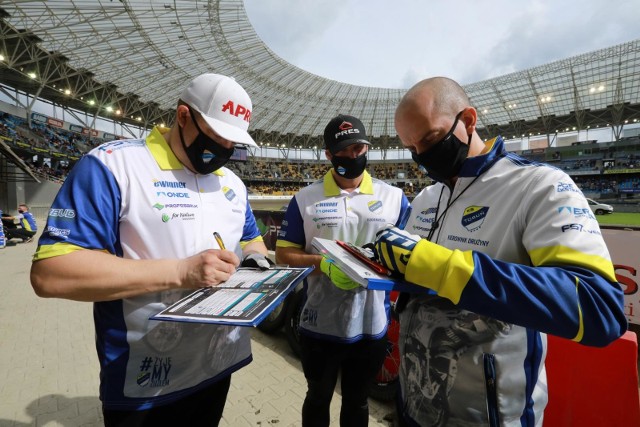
point(86, 210)
point(567, 301)
point(292, 228)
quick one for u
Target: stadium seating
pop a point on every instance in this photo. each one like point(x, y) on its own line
point(601, 170)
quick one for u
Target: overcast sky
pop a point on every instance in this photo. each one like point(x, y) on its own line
point(395, 43)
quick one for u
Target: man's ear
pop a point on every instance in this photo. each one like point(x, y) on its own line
point(470, 118)
point(328, 154)
point(182, 115)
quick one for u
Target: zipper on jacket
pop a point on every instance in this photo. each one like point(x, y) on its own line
point(489, 361)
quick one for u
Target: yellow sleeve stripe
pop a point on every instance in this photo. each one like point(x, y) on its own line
point(580, 333)
point(445, 271)
point(57, 249)
point(562, 255)
point(284, 244)
point(246, 242)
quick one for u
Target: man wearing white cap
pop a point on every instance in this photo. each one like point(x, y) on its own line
point(132, 230)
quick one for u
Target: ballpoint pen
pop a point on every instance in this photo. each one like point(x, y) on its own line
point(219, 240)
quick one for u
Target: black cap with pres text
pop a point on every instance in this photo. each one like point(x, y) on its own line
point(343, 131)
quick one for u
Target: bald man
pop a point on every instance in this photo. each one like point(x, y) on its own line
point(507, 251)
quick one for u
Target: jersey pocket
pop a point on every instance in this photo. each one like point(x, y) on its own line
point(489, 363)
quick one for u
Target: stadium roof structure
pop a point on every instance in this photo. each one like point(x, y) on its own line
point(134, 56)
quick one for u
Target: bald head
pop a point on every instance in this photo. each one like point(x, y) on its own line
point(428, 111)
point(440, 94)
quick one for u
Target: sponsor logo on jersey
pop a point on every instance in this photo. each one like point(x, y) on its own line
point(184, 216)
point(310, 316)
point(110, 147)
point(173, 194)
point(229, 193)
point(375, 206)
point(579, 228)
point(320, 218)
point(57, 232)
point(62, 213)
point(169, 184)
point(418, 228)
point(473, 217)
point(468, 241)
point(428, 211)
point(180, 205)
point(376, 220)
point(154, 372)
point(567, 186)
point(326, 207)
point(426, 216)
point(576, 212)
point(160, 206)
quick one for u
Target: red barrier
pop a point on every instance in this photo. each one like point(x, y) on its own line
point(593, 387)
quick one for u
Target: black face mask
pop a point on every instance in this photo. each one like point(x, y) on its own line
point(444, 160)
point(348, 167)
point(205, 154)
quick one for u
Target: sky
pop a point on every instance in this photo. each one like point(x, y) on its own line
point(396, 43)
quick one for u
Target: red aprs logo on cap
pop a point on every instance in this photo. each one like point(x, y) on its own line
point(238, 111)
point(345, 126)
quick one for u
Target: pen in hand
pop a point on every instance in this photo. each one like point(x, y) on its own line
point(219, 240)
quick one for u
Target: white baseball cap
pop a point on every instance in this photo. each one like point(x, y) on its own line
point(223, 104)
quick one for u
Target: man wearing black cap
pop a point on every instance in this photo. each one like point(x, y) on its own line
point(343, 326)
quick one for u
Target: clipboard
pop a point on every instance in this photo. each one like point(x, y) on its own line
point(245, 299)
point(362, 256)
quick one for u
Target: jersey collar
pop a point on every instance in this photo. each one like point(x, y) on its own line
point(163, 154)
point(473, 166)
point(332, 189)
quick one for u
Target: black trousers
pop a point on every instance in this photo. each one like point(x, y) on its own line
point(200, 409)
point(18, 233)
point(357, 363)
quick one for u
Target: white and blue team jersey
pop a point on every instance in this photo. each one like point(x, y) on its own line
point(27, 221)
point(520, 238)
point(324, 210)
point(135, 200)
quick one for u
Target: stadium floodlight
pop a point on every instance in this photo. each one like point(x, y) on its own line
point(109, 108)
point(67, 91)
point(32, 75)
point(1, 57)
